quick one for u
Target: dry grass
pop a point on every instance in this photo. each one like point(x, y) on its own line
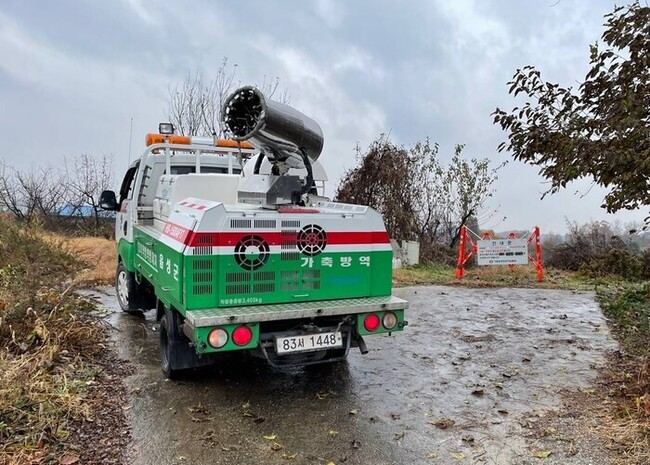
point(48, 340)
point(420, 275)
point(99, 256)
point(622, 405)
point(491, 276)
point(42, 390)
point(627, 307)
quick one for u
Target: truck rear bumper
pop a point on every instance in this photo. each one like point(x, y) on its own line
point(259, 313)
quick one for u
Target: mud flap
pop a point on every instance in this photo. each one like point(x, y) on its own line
point(180, 355)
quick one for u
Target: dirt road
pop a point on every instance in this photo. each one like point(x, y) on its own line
point(463, 383)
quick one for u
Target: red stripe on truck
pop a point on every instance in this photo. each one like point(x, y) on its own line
point(197, 239)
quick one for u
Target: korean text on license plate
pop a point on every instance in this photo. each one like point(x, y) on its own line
point(286, 345)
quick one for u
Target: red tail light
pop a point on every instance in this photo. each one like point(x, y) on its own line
point(371, 322)
point(242, 335)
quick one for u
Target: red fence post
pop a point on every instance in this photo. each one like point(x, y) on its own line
point(538, 250)
point(537, 261)
point(460, 270)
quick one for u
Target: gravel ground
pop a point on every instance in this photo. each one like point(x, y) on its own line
point(104, 438)
point(480, 376)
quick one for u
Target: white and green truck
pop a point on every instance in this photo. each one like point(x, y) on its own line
point(253, 260)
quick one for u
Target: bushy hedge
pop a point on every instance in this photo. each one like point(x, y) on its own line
point(599, 249)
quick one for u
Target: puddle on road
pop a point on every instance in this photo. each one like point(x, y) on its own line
point(484, 358)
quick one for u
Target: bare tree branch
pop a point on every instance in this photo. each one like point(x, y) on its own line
point(194, 106)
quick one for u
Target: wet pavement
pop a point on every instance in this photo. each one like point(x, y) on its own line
point(457, 386)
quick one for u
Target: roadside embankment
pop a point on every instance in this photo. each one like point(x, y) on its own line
point(54, 358)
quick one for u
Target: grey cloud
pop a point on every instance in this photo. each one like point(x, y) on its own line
point(416, 69)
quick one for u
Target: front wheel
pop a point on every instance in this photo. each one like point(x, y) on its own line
point(126, 290)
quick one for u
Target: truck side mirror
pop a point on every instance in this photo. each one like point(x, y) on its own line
point(108, 201)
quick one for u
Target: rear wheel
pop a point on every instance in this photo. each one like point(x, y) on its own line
point(169, 346)
point(177, 357)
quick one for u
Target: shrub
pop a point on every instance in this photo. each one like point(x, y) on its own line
point(598, 249)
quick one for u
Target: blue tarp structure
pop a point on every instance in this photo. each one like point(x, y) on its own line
point(83, 211)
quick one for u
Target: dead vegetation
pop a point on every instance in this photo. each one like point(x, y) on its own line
point(496, 276)
point(98, 256)
point(50, 340)
point(627, 382)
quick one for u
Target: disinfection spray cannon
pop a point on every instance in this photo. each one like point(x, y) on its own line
point(282, 134)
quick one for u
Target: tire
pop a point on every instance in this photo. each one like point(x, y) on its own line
point(177, 357)
point(126, 290)
point(169, 346)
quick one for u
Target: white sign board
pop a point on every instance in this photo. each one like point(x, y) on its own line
point(502, 251)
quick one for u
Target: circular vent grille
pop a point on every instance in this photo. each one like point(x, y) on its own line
point(312, 240)
point(251, 252)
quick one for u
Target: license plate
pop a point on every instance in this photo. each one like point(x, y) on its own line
point(287, 345)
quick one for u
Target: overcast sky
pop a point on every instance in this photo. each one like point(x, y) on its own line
point(73, 74)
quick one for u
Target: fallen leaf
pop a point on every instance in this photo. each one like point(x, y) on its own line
point(271, 437)
point(199, 408)
point(68, 459)
point(333, 433)
point(643, 403)
point(542, 454)
point(331, 463)
point(276, 447)
point(443, 423)
point(457, 455)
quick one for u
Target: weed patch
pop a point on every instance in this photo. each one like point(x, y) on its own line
point(50, 341)
point(494, 276)
point(627, 307)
